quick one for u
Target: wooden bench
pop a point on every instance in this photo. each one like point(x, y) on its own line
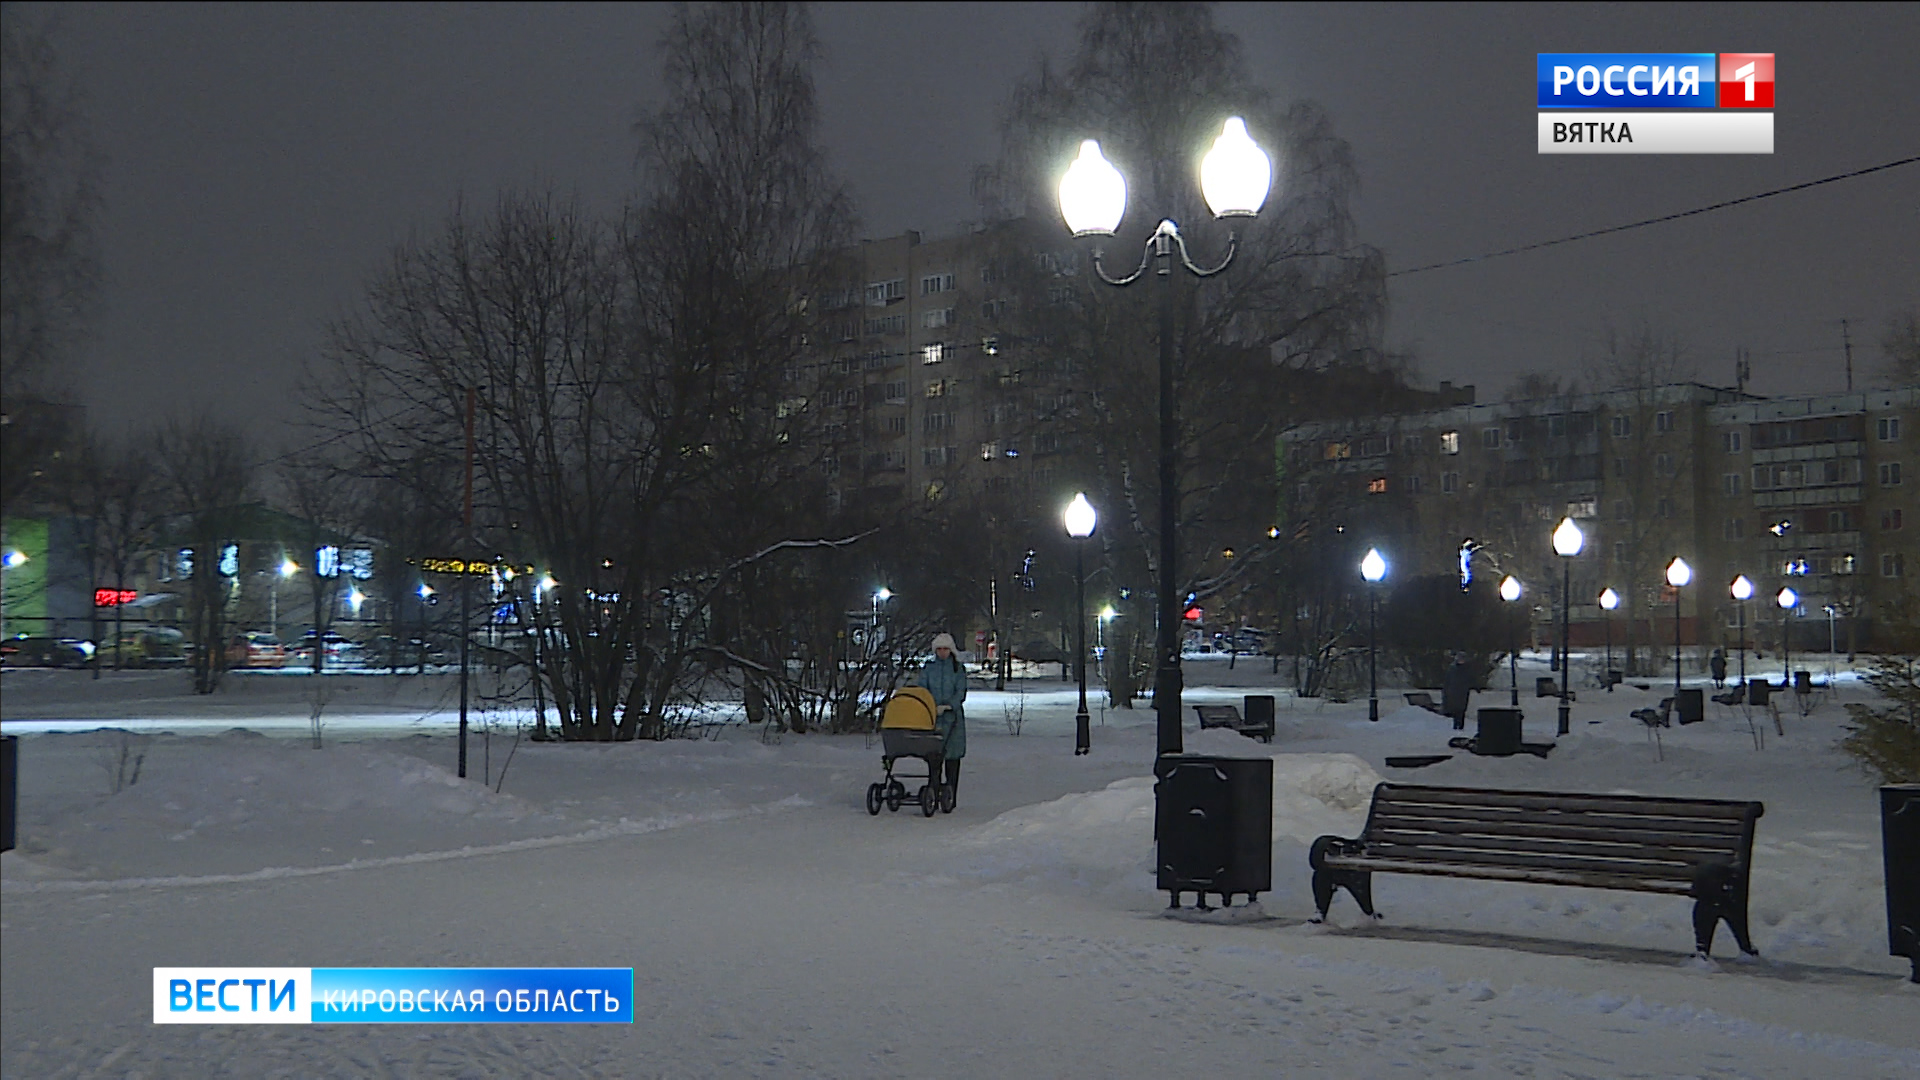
point(1685, 847)
point(1424, 700)
point(1226, 716)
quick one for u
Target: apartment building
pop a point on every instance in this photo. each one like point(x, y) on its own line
point(1810, 492)
point(925, 389)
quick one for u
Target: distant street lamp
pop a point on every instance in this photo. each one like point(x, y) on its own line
point(1742, 591)
point(1567, 541)
point(875, 631)
point(1373, 568)
point(1510, 592)
point(1608, 601)
point(288, 568)
point(13, 560)
point(1678, 574)
point(1234, 179)
point(1079, 519)
point(1788, 600)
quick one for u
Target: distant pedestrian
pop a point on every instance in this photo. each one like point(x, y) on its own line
point(1717, 666)
point(1457, 691)
point(947, 681)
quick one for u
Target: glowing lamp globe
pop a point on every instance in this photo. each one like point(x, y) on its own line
point(1373, 567)
point(1741, 588)
point(1510, 589)
point(1236, 173)
point(1787, 599)
point(1093, 194)
point(1609, 599)
point(1679, 573)
point(1079, 517)
point(1568, 539)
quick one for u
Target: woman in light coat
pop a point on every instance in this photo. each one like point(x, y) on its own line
point(946, 680)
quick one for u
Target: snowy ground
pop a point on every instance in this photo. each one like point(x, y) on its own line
point(776, 929)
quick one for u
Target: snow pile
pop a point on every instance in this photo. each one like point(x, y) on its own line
point(1101, 842)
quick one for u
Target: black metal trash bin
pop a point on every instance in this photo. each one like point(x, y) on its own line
point(1258, 712)
point(1691, 706)
point(1213, 826)
point(9, 789)
point(1545, 686)
point(1759, 691)
point(1499, 732)
point(1803, 682)
point(1900, 843)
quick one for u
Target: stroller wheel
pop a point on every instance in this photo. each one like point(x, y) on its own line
point(873, 797)
point(948, 796)
point(929, 799)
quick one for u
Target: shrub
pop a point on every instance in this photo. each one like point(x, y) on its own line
point(1426, 619)
point(1886, 740)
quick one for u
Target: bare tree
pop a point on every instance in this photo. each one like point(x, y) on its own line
point(49, 266)
point(121, 493)
point(1901, 344)
point(637, 387)
point(207, 467)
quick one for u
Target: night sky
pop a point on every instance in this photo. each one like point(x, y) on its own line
point(263, 160)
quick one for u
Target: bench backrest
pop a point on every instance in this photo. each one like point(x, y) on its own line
point(1576, 838)
point(1217, 715)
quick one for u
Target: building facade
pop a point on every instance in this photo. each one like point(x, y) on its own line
point(1810, 493)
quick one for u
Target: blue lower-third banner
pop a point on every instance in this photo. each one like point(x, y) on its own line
point(205, 995)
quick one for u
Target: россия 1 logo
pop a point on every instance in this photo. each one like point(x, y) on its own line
point(1655, 103)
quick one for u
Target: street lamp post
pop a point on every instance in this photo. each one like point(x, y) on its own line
point(875, 634)
point(1373, 568)
point(1832, 643)
point(1079, 519)
point(1234, 179)
point(1788, 600)
point(1106, 616)
point(1567, 541)
point(1510, 592)
point(1608, 601)
point(1742, 591)
point(1678, 574)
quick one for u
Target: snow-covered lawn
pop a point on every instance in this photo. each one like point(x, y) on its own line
point(776, 929)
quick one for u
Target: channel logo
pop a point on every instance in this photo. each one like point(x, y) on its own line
point(392, 995)
point(1654, 103)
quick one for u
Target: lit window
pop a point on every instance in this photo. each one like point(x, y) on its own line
point(1377, 486)
point(989, 451)
point(934, 353)
point(1449, 442)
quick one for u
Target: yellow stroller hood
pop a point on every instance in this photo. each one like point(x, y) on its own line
point(912, 709)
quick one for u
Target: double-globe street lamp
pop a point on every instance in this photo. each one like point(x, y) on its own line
point(1234, 179)
point(1678, 575)
point(1567, 541)
point(1374, 569)
point(1510, 592)
point(1079, 519)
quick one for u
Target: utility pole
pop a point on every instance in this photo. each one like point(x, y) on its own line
point(1846, 339)
point(465, 581)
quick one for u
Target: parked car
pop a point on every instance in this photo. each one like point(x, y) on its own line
point(46, 652)
point(255, 649)
point(341, 651)
point(144, 647)
point(386, 651)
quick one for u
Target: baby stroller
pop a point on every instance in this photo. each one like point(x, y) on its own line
point(907, 730)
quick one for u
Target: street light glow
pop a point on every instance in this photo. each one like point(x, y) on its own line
point(1679, 573)
point(1373, 567)
point(356, 598)
point(425, 590)
point(1609, 599)
point(883, 595)
point(1107, 613)
point(1079, 517)
point(1236, 173)
point(1787, 599)
point(547, 582)
point(288, 568)
point(1741, 588)
point(16, 558)
point(1510, 589)
point(1568, 539)
point(1093, 194)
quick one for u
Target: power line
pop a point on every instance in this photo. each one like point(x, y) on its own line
point(1658, 220)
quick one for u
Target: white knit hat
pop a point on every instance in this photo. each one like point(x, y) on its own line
point(945, 641)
